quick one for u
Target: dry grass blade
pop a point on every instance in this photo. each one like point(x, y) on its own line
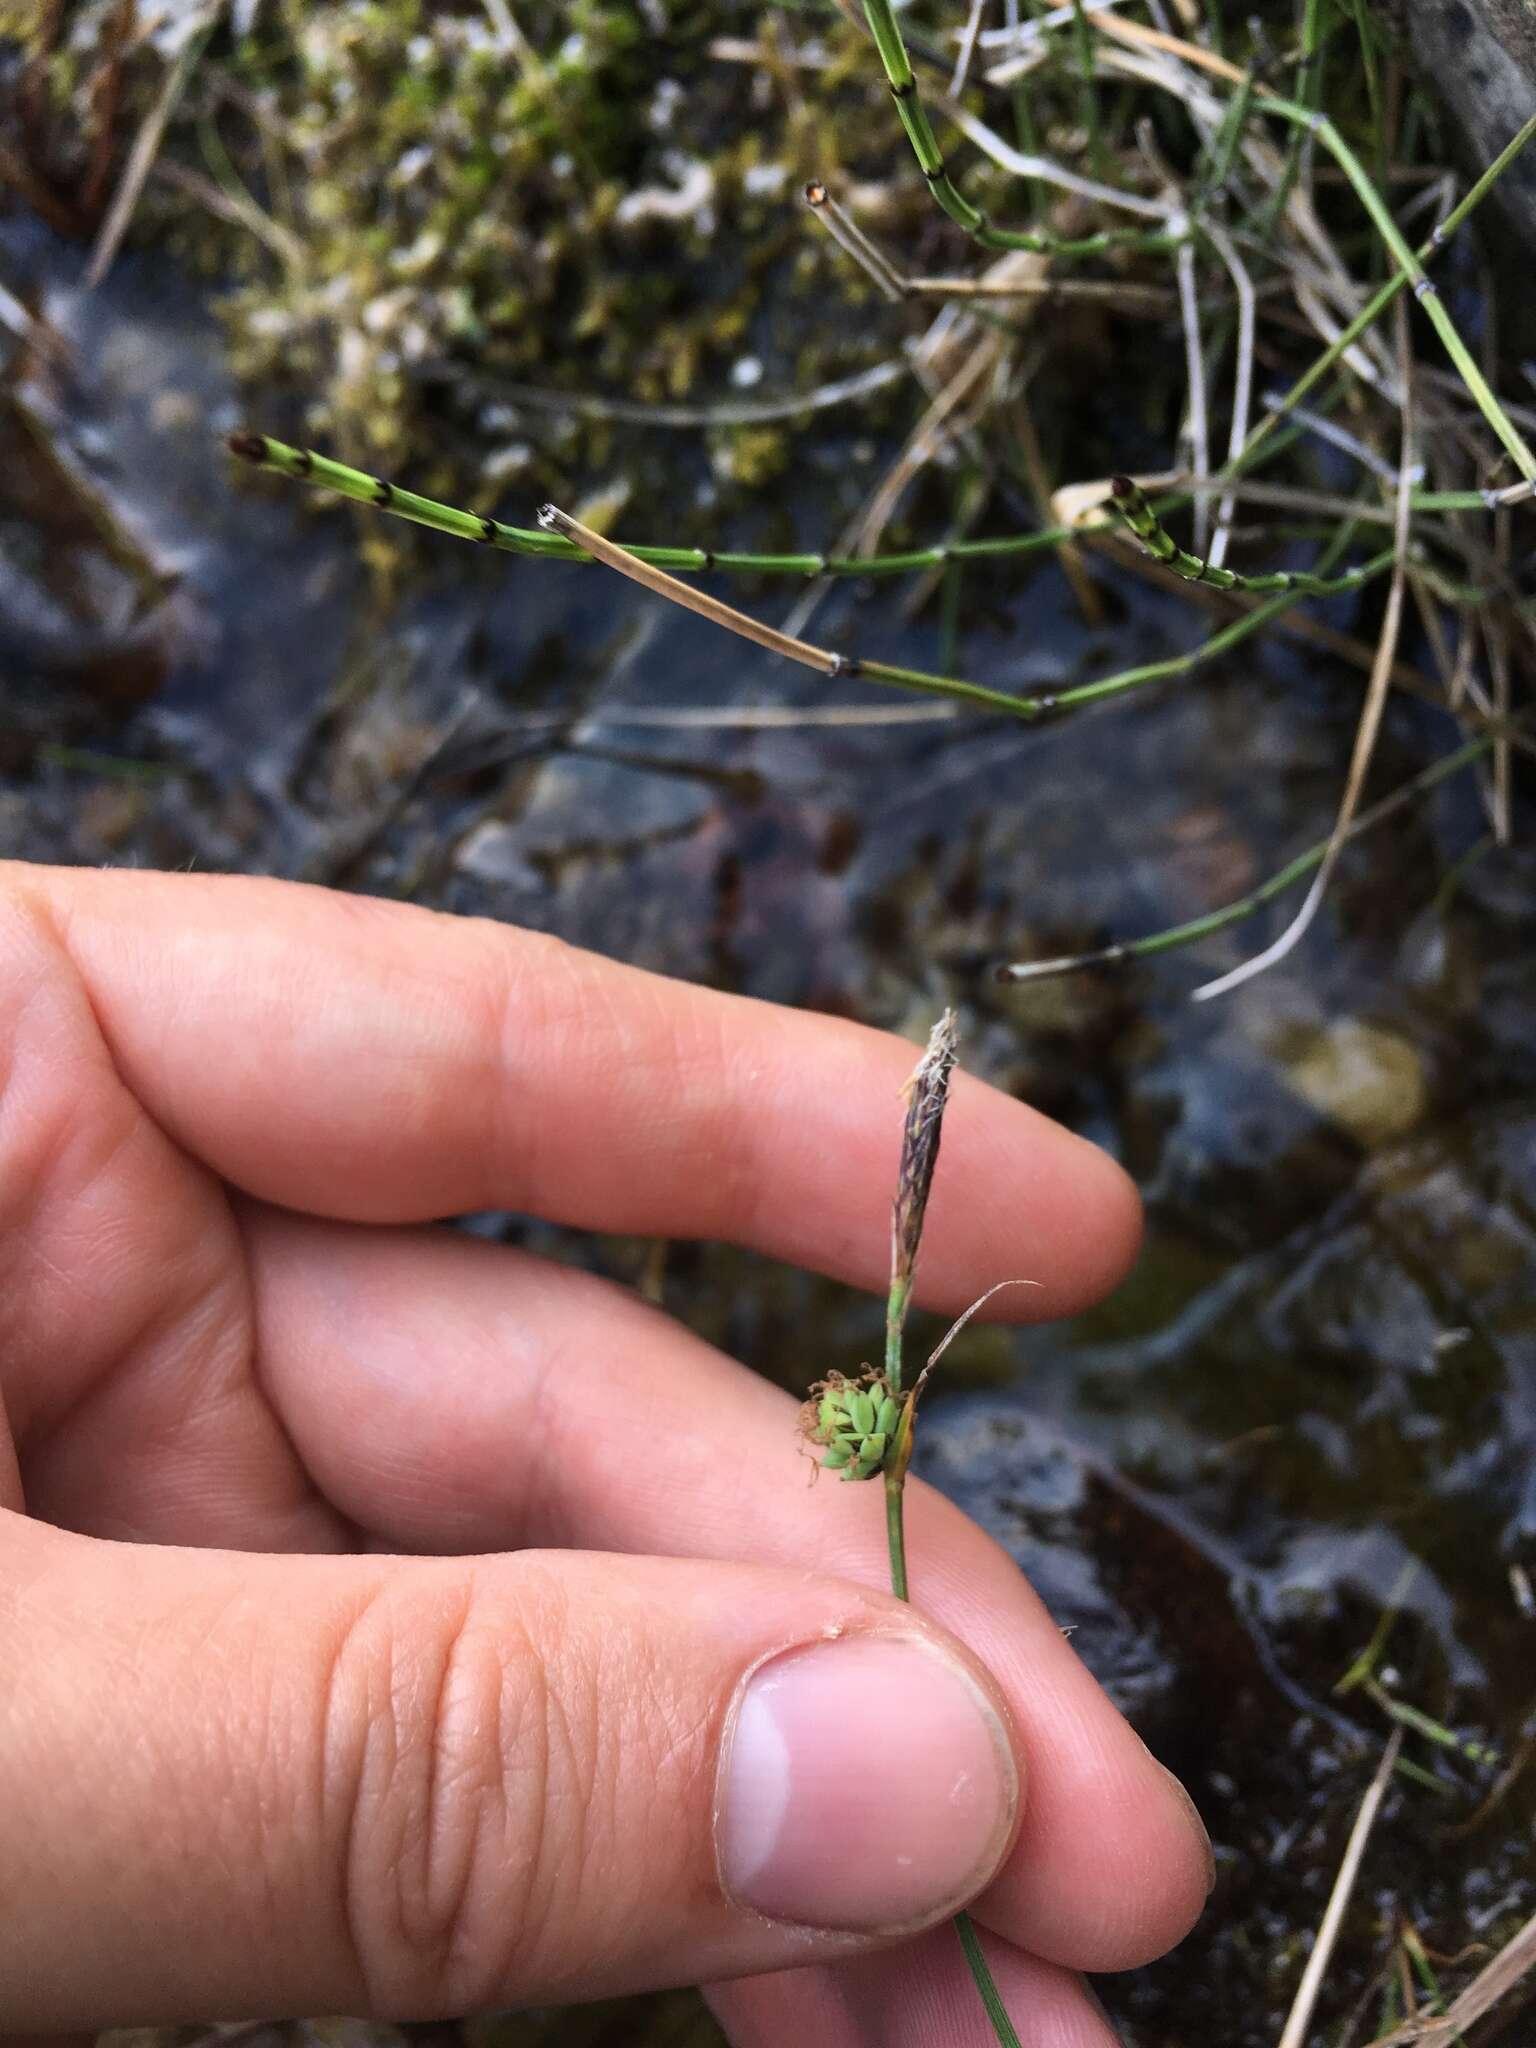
point(1001, 281)
point(1300, 2017)
point(954, 407)
point(748, 412)
point(146, 146)
point(853, 241)
point(967, 48)
point(1242, 376)
point(1196, 422)
point(728, 718)
point(1021, 164)
point(1136, 32)
point(1515, 1960)
point(612, 556)
point(1126, 292)
point(235, 206)
point(1370, 715)
point(958, 1325)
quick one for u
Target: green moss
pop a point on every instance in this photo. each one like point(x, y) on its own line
point(751, 456)
point(610, 210)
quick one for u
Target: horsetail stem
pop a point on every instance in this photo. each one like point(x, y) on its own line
point(1130, 501)
point(307, 465)
point(1284, 878)
point(930, 158)
point(930, 161)
point(1308, 93)
point(1087, 89)
point(364, 489)
point(1379, 301)
point(1425, 290)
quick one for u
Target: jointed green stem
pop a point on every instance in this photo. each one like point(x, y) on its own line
point(1285, 878)
point(308, 466)
point(369, 490)
point(930, 159)
point(1426, 1725)
point(1127, 679)
point(1309, 81)
point(1377, 304)
point(1131, 503)
point(1088, 92)
point(914, 118)
point(1411, 271)
point(1055, 702)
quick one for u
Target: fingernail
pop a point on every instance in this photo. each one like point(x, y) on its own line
point(1197, 1827)
point(867, 1784)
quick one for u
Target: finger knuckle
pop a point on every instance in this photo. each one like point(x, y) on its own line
point(455, 1798)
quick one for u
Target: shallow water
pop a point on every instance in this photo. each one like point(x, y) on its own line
point(1322, 1374)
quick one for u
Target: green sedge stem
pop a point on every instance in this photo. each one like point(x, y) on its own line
point(1309, 83)
point(895, 1533)
point(1224, 146)
point(896, 1545)
point(997, 2012)
point(895, 1323)
point(1373, 90)
point(1025, 132)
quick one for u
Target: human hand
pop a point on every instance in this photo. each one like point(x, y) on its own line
point(255, 1762)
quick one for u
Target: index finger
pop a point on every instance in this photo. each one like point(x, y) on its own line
point(378, 1062)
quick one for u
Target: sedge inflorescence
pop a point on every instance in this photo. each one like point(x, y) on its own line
point(854, 1422)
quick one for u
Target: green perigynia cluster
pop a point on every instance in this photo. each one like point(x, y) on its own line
point(856, 1425)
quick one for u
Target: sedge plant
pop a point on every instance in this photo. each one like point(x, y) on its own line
point(864, 1427)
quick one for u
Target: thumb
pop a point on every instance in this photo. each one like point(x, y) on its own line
point(239, 1785)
